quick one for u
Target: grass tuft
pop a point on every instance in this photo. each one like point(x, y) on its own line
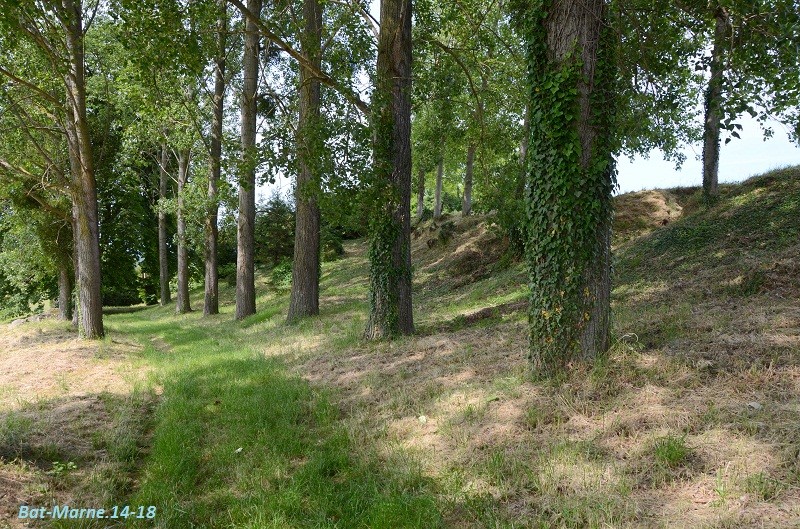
point(671, 451)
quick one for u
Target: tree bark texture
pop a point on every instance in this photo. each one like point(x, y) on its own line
point(182, 305)
point(245, 232)
point(437, 197)
point(466, 203)
point(163, 254)
point(523, 149)
point(568, 247)
point(713, 102)
point(390, 225)
point(75, 271)
point(304, 297)
point(420, 191)
point(84, 186)
point(64, 292)
point(211, 300)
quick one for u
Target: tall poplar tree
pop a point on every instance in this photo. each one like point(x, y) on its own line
point(57, 31)
point(390, 225)
point(245, 241)
point(163, 254)
point(304, 297)
point(211, 304)
point(571, 176)
point(182, 297)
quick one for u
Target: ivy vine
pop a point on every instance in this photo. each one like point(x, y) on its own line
point(568, 203)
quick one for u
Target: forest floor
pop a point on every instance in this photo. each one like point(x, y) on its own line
point(692, 420)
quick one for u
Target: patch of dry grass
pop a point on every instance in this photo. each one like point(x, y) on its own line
point(72, 418)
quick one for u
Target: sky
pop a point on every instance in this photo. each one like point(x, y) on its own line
point(738, 160)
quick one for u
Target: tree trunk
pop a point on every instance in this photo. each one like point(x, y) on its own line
point(75, 271)
point(420, 191)
point(84, 187)
point(390, 226)
point(437, 197)
point(523, 149)
point(245, 232)
point(211, 301)
point(713, 114)
point(466, 204)
point(304, 298)
point(64, 291)
point(568, 238)
point(163, 254)
point(182, 306)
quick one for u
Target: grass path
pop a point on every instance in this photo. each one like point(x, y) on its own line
point(240, 442)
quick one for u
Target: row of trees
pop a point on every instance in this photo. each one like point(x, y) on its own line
point(126, 103)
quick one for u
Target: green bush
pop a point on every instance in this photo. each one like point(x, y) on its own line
point(227, 273)
point(281, 275)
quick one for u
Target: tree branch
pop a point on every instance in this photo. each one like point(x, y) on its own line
point(324, 78)
point(23, 82)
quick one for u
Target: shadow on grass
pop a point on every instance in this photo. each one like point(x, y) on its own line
point(240, 443)
point(83, 449)
point(125, 310)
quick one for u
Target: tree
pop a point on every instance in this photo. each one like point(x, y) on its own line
point(34, 204)
point(420, 190)
point(182, 296)
point(731, 54)
point(465, 54)
point(57, 30)
point(437, 195)
point(570, 180)
point(211, 305)
point(84, 190)
point(390, 223)
point(304, 297)
point(245, 272)
point(713, 101)
point(33, 244)
point(335, 179)
point(163, 254)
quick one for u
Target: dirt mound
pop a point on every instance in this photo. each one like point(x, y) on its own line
point(643, 211)
point(456, 250)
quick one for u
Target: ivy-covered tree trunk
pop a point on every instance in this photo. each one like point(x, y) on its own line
point(570, 180)
point(390, 223)
point(304, 297)
point(245, 232)
point(437, 196)
point(182, 297)
point(713, 102)
point(211, 299)
point(466, 203)
point(420, 191)
point(163, 254)
point(83, 185)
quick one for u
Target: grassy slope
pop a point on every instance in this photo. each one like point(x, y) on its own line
point(446, 428)
point(691, 421)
